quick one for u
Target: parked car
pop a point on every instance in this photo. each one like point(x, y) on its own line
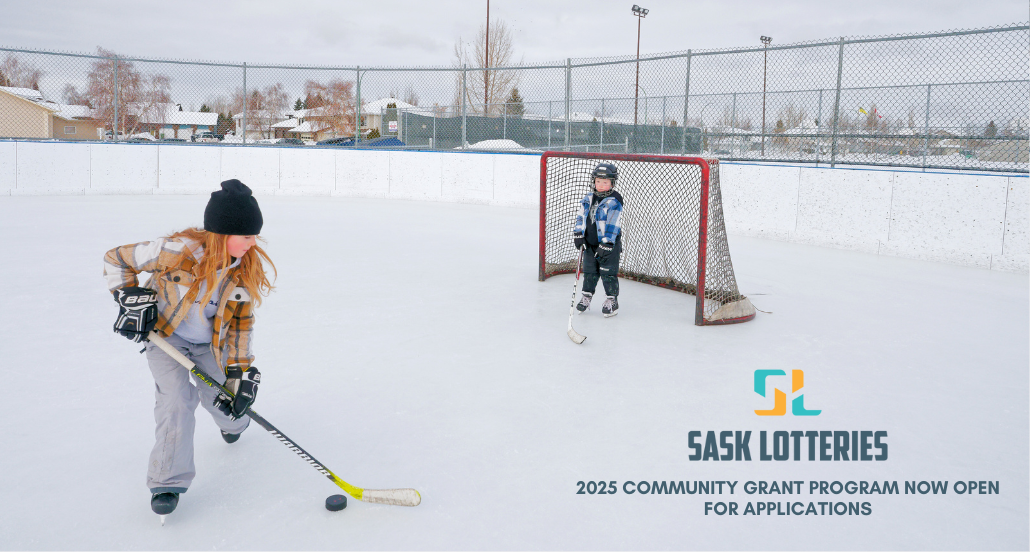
point(290, 142)
point(207, 137)
point(344, 141)
point(385, 141)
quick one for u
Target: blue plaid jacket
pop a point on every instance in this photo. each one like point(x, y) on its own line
point(609, 210)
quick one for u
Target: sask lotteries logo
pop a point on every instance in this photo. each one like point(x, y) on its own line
point(797, 405)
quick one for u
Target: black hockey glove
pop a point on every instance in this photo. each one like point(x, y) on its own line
point(579, 240)
point(244, 386)
point(137, 313)
point(604, 250)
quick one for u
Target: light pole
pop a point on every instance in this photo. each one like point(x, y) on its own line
point(765, 66)
point(486, 63)
point(640, 13)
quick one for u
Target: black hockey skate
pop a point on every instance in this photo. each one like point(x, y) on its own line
point(230, 437)
point(610, 307)
point(584, 302)
point(164, 503)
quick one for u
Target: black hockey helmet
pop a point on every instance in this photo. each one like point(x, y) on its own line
point(605, 170)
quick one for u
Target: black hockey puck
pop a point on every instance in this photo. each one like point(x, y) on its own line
point(336, 503)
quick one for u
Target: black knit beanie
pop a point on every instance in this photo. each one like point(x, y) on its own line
point(233, 211)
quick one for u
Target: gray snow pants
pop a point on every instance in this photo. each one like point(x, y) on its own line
point(171, 462)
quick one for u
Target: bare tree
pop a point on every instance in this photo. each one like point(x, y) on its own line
point(140, 98)
point(265, 107)
point(792, 116)
point(409, 95)
point(872, 119)
point(487, 90)
point(16, 73)
point(72, 96)
point(332, 106)
point(219, 104)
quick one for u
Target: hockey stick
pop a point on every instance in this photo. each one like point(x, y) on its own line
point(573, 334)
point(394, 497)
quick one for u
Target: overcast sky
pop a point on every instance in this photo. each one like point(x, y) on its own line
point(423, 33)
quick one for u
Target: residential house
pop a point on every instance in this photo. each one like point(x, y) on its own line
point(24, 113)
point(376, 115)
point(168, 120)
point(260, 123)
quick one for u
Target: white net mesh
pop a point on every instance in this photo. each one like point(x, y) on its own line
point(674, 234)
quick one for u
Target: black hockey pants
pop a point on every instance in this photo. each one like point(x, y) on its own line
point(607, 272)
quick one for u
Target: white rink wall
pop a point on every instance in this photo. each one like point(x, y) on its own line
point(61, 168)
point(967, 219)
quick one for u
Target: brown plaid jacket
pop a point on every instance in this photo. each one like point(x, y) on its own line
point(234, 319)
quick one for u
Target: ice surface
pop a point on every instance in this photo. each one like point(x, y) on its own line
point(410, 345)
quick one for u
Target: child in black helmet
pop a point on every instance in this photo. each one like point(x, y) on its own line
point(597, 229)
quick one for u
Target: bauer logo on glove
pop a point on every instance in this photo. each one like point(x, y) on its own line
point(137, 313)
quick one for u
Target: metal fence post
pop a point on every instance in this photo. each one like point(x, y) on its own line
point(601, 147)
point(568, 102)
point(114, 127)
point(244, 102)
point(549, 116)
point(662, 147)
point(818, 129)
point(926, 127)
point(357, 106)
point(686, 107)
point(836, 104)
point(464, 92)
point(733, 116)
point(504, 122)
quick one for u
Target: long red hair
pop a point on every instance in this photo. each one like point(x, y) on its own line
point(216, 257)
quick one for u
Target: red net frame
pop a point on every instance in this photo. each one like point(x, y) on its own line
point(660, 191)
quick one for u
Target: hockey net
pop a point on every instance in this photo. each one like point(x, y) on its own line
point(673, 231)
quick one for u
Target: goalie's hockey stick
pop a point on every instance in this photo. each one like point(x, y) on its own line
point(573, 334)
point(395, 497)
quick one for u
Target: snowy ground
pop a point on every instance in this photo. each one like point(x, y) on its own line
point(410, 344)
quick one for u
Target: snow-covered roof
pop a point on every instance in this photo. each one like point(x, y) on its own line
point(255, 114)
point(72, 111)
point(169, 114)
point(380, 104)
point(27, 93)
point(806, 127)
point(306, 126)
point(63, 111)
point(287, 123)
point(722, 129)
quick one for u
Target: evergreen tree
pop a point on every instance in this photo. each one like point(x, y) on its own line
point(514, 106)
point(991, 131)
point(298, 105)
point(224, 124)
point(204, 108)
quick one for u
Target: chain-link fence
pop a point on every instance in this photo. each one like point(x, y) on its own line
point(952, 100)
